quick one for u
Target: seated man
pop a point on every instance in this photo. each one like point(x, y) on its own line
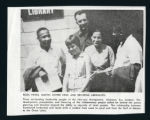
point(42, 65)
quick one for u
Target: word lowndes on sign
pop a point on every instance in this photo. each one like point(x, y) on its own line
point(41, 14)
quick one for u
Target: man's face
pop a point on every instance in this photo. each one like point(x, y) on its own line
point(118, 36)
point(82, 21)
point(45, 39)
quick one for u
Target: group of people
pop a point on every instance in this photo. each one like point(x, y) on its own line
point(89, 66)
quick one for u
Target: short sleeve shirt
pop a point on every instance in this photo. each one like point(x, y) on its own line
point(50, 62)
point(128, 53)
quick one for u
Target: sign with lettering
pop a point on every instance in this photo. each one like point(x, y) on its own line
point(41, 14)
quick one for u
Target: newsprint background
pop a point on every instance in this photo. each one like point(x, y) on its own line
point(22, 40)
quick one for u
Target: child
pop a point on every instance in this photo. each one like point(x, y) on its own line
point(77, 67)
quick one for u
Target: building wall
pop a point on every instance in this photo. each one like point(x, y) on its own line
point(60, 29)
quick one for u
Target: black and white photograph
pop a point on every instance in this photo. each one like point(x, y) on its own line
point(79, 51)
point(82, 50)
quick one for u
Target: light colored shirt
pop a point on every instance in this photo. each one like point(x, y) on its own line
point(76, 72)
point(139, 84)
point(50, 62)
point(128, 53)
point(102, 59)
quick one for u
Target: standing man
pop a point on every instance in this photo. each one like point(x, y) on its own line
point(42, 65)
point(128, 60)
point(84, 32)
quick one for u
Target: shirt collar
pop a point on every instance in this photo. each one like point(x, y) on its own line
point(81, 33)
point(42, 50)
point(80, 56)
point(122, 43)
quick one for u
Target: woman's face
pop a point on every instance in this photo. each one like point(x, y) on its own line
point(74, 49)
point(96, 39)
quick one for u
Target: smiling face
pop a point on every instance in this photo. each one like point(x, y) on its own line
point(45, 39)
point(74, 50)
point(82, 21)
point(97, 38)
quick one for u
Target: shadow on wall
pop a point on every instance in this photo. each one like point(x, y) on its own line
point(105, 19)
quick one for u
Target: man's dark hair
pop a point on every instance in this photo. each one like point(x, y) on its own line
point(122, 27)
point(79, 13)
point(118, 28)
point(40, 29)
point(72, 40)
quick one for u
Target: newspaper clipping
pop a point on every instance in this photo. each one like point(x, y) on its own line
point(76, 60)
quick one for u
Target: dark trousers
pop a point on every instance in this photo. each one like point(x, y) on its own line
point(115, 83)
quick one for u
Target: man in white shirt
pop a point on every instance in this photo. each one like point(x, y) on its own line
point(42, 65)
point(128, 60)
